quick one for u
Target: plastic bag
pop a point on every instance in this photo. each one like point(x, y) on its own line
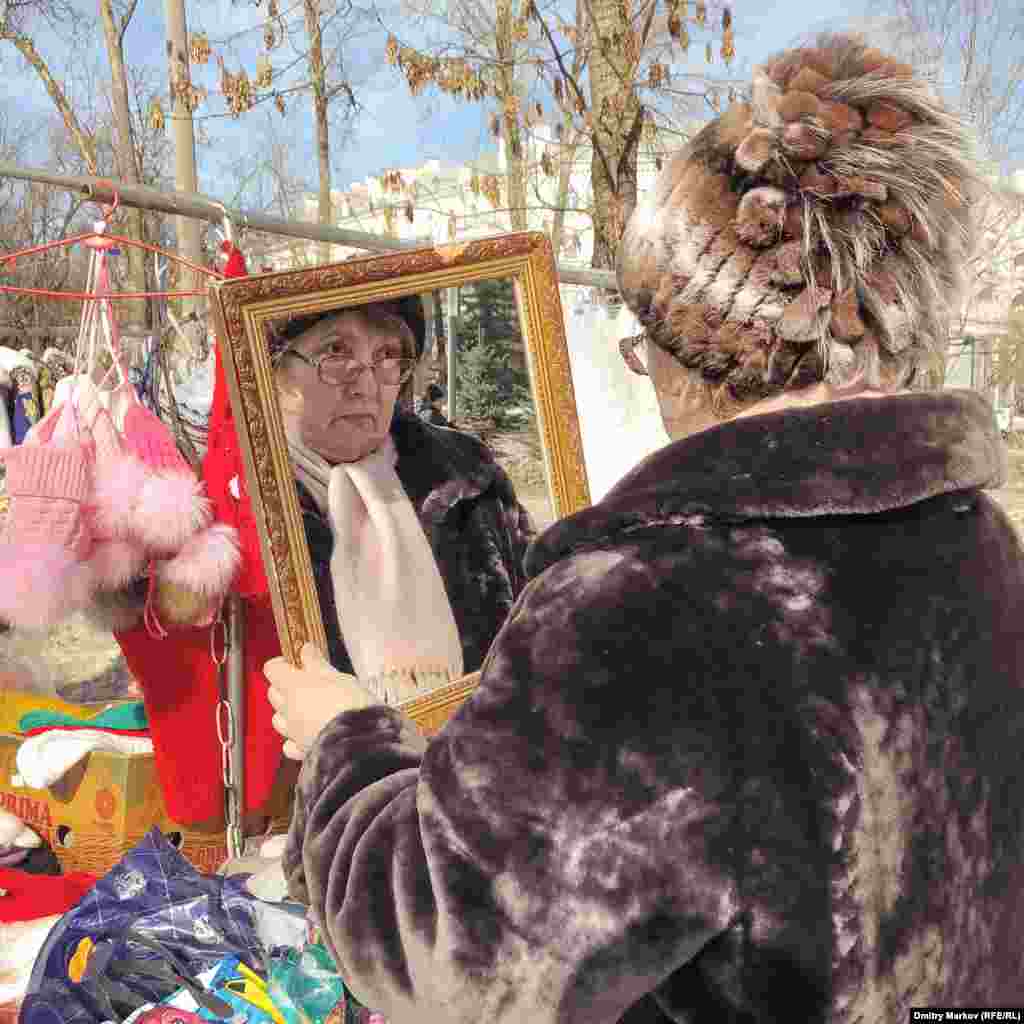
point(311, 982)
point(155, 893)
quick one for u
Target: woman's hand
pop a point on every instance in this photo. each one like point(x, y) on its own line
point(305, 699)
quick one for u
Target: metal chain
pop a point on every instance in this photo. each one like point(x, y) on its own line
point(226, 735)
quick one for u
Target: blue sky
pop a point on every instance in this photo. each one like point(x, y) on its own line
point(396, 130)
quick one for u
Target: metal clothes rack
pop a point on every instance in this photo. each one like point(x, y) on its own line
point(200, 207)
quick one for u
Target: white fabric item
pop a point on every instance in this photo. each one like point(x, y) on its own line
point(314, 472)
point(62, 390)
point(268, 883)
point(274, 846)
point(10, 359)
point(20, 943)
point(50, 755)
point(278, 925)
point(393, 609)
point(14, 832)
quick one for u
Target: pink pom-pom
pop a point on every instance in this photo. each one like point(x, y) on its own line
point(171, 507)
point(116, 562)
point(117, 485)
point(41, 585)
point(207, 563)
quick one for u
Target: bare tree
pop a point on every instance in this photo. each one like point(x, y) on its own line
point(267, 178)
point(30, 215)
point(599, 72)
point(312, 38)
point(15, 18)
point(973, 52)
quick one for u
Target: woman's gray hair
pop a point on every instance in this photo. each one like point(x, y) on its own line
point(817, 232)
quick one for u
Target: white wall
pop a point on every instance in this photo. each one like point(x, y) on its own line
point(619, 419)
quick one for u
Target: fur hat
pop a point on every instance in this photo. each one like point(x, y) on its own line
point(816, 232)
point(410, 308)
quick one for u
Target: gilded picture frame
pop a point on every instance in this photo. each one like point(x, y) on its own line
point(242, 309)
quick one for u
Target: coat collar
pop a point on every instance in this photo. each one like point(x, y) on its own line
point(852, 457)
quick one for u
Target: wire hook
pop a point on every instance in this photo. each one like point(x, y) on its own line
point(107, 210)
point(228, 225)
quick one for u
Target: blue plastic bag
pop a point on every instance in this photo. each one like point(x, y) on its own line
point(156, 893)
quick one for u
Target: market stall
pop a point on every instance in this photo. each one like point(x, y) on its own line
point(184, 784)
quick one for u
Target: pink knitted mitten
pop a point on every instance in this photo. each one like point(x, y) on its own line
point(45, 539)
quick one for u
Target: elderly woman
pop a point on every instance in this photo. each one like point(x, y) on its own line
point(457, 533)
point(748, 746)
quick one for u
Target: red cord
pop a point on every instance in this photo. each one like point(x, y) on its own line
point(149, 616)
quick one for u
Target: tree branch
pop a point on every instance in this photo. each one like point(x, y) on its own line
point(124, 22)
point(602, 156)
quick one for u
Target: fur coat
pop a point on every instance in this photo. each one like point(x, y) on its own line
point(477, 530)
point(748, 749)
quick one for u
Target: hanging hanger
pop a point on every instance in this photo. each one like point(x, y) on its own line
point(103, 238)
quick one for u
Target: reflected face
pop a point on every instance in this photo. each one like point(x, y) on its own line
point(343, 422)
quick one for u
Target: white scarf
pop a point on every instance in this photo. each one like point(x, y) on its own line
point(393, 610)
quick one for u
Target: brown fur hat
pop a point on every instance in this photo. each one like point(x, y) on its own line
point(814, 233)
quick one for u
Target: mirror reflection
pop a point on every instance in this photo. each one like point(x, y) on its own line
point(481, 385)
point(417, 460)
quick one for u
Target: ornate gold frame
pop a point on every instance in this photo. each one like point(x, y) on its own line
point(241, 309)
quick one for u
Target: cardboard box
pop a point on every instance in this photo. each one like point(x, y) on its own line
point(101, 809)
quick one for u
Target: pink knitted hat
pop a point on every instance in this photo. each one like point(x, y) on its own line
point(150, 494)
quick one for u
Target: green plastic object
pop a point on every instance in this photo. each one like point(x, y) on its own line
point(309, 980)
point(131, 715)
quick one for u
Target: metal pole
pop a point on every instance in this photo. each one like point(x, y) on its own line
point(184, 138)
point(188, 204)
point(453, 322)
point(236, 697)
point(201, 207)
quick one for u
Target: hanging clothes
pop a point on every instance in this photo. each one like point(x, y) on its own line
point(177, 675)
point(25, 412)
point(6, 435)
point(56, 366)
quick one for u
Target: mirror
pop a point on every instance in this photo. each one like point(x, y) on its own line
point(507, 379)
point(482, 386)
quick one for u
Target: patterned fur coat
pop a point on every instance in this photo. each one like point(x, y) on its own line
point(477, 530)
point(748, 749)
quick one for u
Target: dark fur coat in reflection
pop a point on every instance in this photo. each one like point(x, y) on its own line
point(477, 530)
point(747, 749)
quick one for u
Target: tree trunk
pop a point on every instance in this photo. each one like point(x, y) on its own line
point(512, 135)
point(617, 117)
point(188, 230)
point(566, 158)
point(318, 78)
point(124, 152)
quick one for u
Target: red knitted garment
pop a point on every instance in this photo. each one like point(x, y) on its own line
point(33, 896)
point(177, 675)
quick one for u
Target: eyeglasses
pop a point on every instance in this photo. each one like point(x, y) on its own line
point(627, 349)
point(336, 369)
